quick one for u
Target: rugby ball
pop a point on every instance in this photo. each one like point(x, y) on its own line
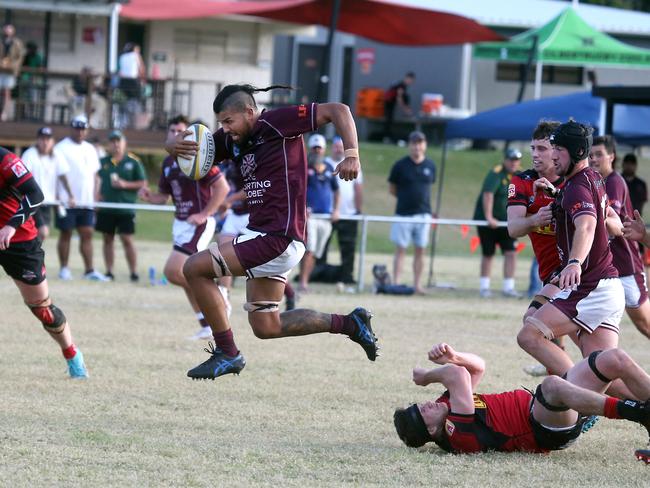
point(198, 166)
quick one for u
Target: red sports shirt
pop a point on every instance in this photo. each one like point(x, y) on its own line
point(501, 422)
point(520, 192)
point(13, 173)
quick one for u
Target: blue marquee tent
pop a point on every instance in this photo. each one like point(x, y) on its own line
point(516, 122)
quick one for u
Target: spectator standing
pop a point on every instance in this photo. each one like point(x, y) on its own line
point(82, 159)
point(132, 73)
point(31, 92)
point(48, 168)
point(350, 203)
point(121, 176)
point(322, 198)
point(410, 181)
point(11, 59)
point(636, 186)
point(396, 96)
point(491, 205)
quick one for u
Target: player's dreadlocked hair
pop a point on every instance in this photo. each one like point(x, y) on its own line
point(238, 97)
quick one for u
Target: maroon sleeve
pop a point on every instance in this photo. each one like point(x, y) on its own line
point(519, 191)
point(292, 121)
point(616, 192)
point(579, 200)
point(213, 175)
point(163, 184)
point(222, 146)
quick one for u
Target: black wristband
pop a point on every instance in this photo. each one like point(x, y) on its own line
point(573, 261)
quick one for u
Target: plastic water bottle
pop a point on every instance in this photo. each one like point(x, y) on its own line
point(152, 275)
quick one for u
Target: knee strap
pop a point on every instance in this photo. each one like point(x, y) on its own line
point(262, 306)
point(592, 364)
point(51, 316)
point(538, 302)
point(218, 262)
point(539, 396)
point(540, 326)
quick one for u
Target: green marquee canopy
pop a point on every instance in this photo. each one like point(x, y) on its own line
point(565, 40)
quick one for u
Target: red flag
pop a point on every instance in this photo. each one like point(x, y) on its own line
point(464, 230)
point(473, 244)
point(520, 247)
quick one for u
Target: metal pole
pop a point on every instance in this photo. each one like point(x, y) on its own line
point(538, 79)
point(524, 79)
point(324, 78)
point(362, 253)
point(113, 26)
point(434, 233)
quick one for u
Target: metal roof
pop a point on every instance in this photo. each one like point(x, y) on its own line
point(525, 14)
point(83, 7)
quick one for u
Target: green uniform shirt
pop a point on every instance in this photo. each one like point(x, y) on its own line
point(496, 182)
point(128, 169)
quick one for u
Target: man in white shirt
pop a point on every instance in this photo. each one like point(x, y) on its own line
point(82, 159)
point(350, 202)
point(48, 168)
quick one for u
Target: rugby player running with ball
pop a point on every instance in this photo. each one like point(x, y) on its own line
point(268, 148)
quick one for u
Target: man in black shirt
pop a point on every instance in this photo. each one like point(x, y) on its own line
point(637, 187)
point(410, 181)
point(396, 95)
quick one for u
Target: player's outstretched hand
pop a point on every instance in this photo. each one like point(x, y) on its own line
point(348, 169)
point(441, 353)
point(6, 233)
point(180, 147)
point(634, 229)
point(420, 376)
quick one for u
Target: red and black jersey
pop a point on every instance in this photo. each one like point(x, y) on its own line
point(14, 174)
point(520, 192)
point(501, 422)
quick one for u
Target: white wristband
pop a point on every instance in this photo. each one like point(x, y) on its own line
point(351, 153)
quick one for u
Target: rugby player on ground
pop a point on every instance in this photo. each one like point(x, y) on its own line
point(22, 257)
point(461, 421)
point(591, 298)
point(530, 212)
point(626, 255)
point(268, 148)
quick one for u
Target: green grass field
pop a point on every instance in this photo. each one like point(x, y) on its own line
point(306, 412)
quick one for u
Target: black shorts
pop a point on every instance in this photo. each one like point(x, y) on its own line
point(108, 223)
point(75, 217)
point(491, 237)
point(24, 261)
point(43, 216)
point(555, 440)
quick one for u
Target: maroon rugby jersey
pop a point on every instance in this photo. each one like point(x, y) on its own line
point(236, 182)
point(500, 422)
point(626, 256)
point(14, 173)
point(521, 192)
point(189, 196)
point(274, 167)
point(584, 194)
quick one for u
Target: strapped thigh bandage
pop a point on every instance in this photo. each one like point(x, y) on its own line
point(541, 326)
point(262, 306)
point(218, 262)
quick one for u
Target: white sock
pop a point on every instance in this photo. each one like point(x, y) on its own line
point(508, 284)
point(484, 282)
point(199, 316)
